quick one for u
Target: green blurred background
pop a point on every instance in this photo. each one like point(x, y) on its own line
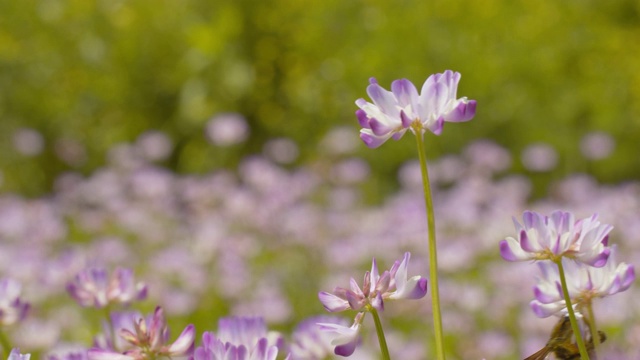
point(92, 74)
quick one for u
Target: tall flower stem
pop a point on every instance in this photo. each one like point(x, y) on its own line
point(433, 256)
point(4, 343)
point(381, 339)
point(595, 337)
point(584, 355)
point(112, 331)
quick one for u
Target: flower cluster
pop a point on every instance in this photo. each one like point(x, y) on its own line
point(584, 283)
point(393, 112)
point(147, 340)
point(12, 308)
point(581, 266)
point(392, 284)
point(239, 338)
point(558, 235)
point(92, 287)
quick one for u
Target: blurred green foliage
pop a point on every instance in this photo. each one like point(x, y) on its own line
point(97, 73)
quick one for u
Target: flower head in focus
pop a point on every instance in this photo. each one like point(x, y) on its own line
point(583, 282)
point(92, 287)
point(12, 308)
point(239, 338)
point(149, 339)
point(393, 112)
point(392, 284)
point(558, 235)
point(15, 355)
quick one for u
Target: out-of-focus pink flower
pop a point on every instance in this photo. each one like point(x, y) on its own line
point(15, 355)
point(402, 108)
point(583, 282)
point(78, 354)
point(92, 287)
point(149, 340)
point(559, 235)
point(239, 338)
point(12, 308)
point(227, 129)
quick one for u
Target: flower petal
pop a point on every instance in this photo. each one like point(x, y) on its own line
point(184, 343)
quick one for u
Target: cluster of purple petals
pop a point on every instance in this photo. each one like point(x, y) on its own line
point(239, 338)
point(93, 287)
point(196, 237)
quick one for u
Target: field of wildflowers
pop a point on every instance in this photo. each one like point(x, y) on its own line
point(232, 261)
point(186, 180)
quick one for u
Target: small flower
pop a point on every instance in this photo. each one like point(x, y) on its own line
point(393, 284)
point(91, 287)
point(584, 283)
point(119, 320)
point(344, 338)
point(556, 236)
point(12, 308)
point(149, 340)
point(310, 342)
point(395, 111)
point(239, 338)
point(15, 355)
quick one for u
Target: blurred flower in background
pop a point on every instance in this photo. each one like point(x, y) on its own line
point(597, 145)
point(12, 308)
point(227, 129)
point(28, 142)
point(539, 157)
point(241, 338)
point(93, 287)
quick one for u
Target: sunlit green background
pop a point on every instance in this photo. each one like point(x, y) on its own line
point(97, 73)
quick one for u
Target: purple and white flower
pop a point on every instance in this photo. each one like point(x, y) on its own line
point(311, 341)
point(12, 308)
point(392, 284)
point(239, 338)
point(344, 338)
point(393, 112)
point(559, 235)
point(92, 287)
point(148, 340)
point(15, 355)
point(584, 283)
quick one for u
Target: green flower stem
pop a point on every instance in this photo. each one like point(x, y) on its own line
point(595, 337)
point(584, 355)
point(381, 339)
point(433, 256)
point(107, 315)
point(6, 347)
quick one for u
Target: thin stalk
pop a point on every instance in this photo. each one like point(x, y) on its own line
point(433, 256)
point(584, 355)
point(381, 339)
point(112, 331)
point(595, 337)
point(6, 347)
